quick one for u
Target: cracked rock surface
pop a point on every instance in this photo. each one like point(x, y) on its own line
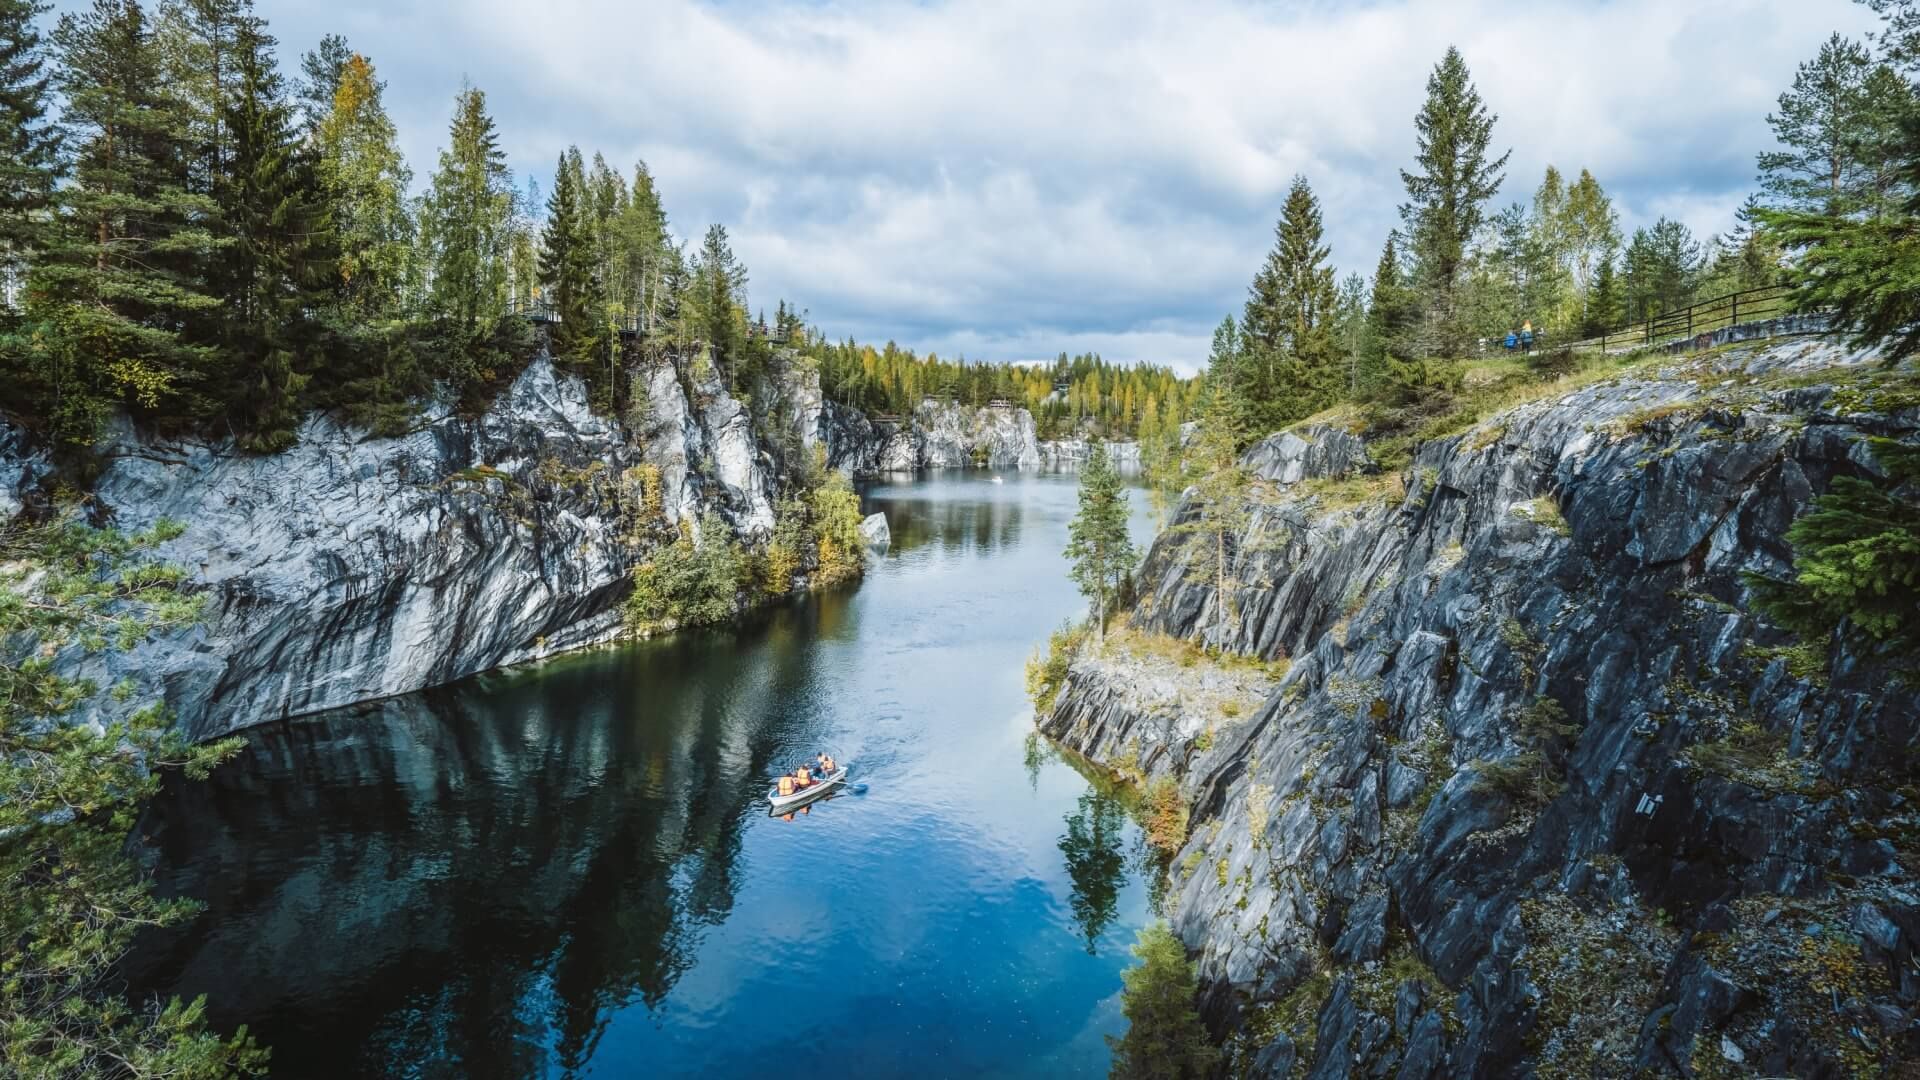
point(1539, 791)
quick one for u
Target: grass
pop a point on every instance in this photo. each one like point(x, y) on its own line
point(1545, 512)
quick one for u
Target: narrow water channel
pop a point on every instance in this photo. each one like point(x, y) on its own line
point(570, 869)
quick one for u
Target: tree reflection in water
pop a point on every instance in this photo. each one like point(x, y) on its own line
point(1095, 863)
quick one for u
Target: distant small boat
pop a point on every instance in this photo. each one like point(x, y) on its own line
point(783, 803)
point(998, 480)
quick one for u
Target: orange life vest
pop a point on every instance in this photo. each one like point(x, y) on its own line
point(786, 785)
point(800, 774)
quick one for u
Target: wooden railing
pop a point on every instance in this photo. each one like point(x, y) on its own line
point(1703, 317)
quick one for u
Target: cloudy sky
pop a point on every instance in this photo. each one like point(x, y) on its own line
point(1009, 178)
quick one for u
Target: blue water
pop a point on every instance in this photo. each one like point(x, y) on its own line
point(569, 869)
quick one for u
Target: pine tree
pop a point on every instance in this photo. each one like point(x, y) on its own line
point(199, 42)
point(321, 73)
point(282, 265)
point(1165, 1039)
point(1823, 128)
point(29, 145)
point(365, 179)
point(1446, 197)
point(567, 260)
point(119, 279)
point(465, 223)
point(1098, 544)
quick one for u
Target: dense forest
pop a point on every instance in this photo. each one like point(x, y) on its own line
point(189, 234)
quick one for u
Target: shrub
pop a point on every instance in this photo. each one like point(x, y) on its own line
point(1166, 815)
point(1856, 558)
point(1047, 668)
point(687, 583)
point(1165, 1039)
point(836, 521)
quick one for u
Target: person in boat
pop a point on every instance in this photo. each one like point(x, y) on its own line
point(786, 786)
point(802, 778)
point(827, 765)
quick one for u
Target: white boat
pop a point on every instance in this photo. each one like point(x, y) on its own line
point(783, 803)
point(998, 480)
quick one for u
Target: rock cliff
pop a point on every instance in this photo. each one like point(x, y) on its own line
point(350, 567)
point(1538, 791)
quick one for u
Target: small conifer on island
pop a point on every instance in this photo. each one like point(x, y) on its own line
point(1098, 544)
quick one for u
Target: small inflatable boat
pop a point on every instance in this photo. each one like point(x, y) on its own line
point(783, 803)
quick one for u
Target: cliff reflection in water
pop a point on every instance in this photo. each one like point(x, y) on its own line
point(501, 863)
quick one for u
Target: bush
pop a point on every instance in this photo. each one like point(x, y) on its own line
point(1047, 668)
point(836, 521)
point(688, 584)
point(1164, 1039)
point(1166, 815)
point(1856, 558)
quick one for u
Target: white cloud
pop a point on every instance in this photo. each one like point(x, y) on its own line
point(1011, 177)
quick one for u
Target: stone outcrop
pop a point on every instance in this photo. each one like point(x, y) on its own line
point(351, 567)
point(1073, 453)
point(1540, 791)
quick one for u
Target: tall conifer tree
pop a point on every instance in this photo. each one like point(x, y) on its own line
point(29, 144)
point(567, 266)
point(466, 225)
point(1447, 195)
point(121, 276)
point(282, 265)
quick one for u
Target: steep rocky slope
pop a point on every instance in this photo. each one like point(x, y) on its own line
point(1539, 791)
point(352, 567)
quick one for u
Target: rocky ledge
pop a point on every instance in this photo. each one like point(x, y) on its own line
point(1539, 791)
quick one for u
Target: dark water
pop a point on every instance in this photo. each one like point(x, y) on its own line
point(570, 869)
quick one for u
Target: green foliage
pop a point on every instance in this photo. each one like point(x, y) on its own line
point(1286, 365)
point(29, 141)
point(1834, 127)
point(71, 899)
point(1446, 197)
point(1096, 867)
point(1098, 545)
point(688, 583)
point(1856, 559)
point(464, 236)
point(365, 179)
point(568, 258)
point(1047, 668)
point(1164, 1039)
point(836, 524)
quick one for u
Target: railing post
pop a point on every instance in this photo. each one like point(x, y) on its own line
point(1734, 319)
point(1690, 308)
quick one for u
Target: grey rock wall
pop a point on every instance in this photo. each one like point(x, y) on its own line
point(1539, 791)
point(350, 568)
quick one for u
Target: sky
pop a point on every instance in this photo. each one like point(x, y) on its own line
point(1006, 179)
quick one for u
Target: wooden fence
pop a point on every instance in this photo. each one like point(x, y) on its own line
point(1703, 317)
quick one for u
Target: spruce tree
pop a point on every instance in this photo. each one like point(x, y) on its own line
point(1605, 312)
point(713, 304)
point(466, 222)
point(199, 45)
point(1447, 195)
point(29, 145)
point(567, 266)
point(1661, 267)
point(646, 249)
point(120, 277)
point(1287, 329)
point(1098, 544)
point(282, 265)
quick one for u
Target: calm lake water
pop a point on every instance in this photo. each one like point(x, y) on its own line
point(570, 869)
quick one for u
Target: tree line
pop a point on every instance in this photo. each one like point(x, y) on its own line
point(1834, 201)
point(1081, 394)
